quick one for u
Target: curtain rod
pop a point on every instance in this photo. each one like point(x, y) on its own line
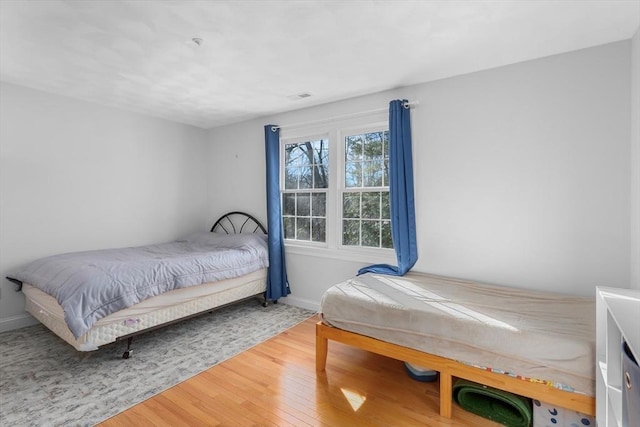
point(344, 116)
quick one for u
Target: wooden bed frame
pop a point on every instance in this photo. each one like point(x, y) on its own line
point(448, 369)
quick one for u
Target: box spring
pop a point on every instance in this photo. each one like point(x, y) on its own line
point(155, 311)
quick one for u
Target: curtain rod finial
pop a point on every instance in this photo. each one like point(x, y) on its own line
point(410, 104)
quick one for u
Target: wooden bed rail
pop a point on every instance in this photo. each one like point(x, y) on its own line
point(448, 369)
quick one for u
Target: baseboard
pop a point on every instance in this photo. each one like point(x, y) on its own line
point(17, 322)
point(301, 302)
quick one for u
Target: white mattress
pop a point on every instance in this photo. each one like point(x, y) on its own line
point(534, 335)
point(154, 311)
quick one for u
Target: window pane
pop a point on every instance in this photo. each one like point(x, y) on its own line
point(321, 176)
point(305, 153)
point(291, 156)
point(289, 228)
point(287, 155)
point(303, 204)
point(351, 205)
point(319, 146)
point(353, 174)
point(386, 207)
point(306, 177)
point(372, 174)
point(371, 205)
point(318, 204)
point(353, 147)
point(371, 233)
point(303, 229)
point(324, 154)
point(385, 231)
point(289, 204)
point(319, 226)
point(373, 146)
point(291, 178)
point(351, 233)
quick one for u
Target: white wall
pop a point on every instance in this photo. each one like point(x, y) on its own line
point(237, 170)
point(77, 176)
point(635, 161)
point(526, 177)
point(522, 174)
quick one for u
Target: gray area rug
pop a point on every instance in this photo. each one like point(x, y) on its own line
point(46, 382)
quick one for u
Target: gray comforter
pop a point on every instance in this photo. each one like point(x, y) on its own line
point(91, 285)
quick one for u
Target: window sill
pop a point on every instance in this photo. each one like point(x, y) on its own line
point(366, 256)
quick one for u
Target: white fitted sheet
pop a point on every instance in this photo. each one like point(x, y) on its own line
point(534, 335)
point(151, 312)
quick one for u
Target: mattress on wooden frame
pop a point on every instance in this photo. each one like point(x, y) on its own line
point(534, 336)
point(449, 369)
point(153, 312)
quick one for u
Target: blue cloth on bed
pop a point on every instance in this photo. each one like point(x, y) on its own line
point(91, 285)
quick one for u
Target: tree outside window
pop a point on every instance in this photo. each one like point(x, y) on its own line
point(304, 198)
point(366, 213)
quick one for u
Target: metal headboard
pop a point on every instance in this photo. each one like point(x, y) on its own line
point(238, 222)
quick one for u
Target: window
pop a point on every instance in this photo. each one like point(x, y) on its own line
point(304, 197)
point(335, 189)
point(365, 197)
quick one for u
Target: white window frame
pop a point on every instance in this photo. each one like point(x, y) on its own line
point(297, 140)
point(374, 127)
point(333, 247)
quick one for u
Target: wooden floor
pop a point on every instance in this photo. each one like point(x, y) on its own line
point(275, 384)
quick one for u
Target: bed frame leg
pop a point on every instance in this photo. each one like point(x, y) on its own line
point(445, 394)
point(265, 301)
point(322, 348)
point(128, 352)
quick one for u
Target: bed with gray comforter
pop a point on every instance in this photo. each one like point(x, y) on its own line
point(91, 285)
point(94, 298)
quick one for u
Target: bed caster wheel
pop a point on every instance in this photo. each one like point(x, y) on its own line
point(266, 303)
point(127, 354)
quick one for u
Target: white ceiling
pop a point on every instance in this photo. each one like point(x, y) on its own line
point(257, 55)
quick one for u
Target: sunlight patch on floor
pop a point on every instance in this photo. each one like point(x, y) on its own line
point(354, 398)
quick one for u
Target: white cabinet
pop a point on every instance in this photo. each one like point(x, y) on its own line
point(618, 319)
